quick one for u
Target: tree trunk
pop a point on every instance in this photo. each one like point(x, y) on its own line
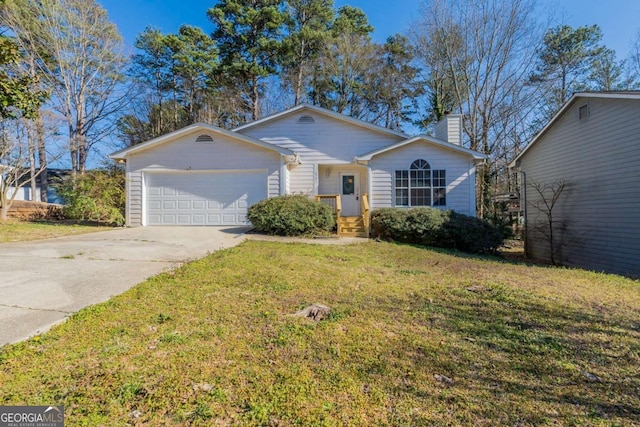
point(73, 150)
point(175, 105)
point(31, 143)
point(299, 75)
point(42, 159)
point(4, 212)
point(255, 95)
point(81, 133)
point(82, 155)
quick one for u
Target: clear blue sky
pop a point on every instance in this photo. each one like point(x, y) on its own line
point(619, 19)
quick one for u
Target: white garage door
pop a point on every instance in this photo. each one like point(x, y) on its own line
point(202, 198)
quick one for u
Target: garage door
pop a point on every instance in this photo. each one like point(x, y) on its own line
point(202, 198)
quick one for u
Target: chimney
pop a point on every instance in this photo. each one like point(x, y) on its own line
point(449, 128)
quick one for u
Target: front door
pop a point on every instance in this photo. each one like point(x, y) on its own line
point(349, 193)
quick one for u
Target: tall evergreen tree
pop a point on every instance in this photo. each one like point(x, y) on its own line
point(565, 62)
point(173, 73)
point(248, 34)
point(338, 82)
point(151, 68)
point(607, 73)
point(308, 22)
point(396, 83)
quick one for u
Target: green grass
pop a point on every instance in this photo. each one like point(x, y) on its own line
point(18, 231)
point(212, 343)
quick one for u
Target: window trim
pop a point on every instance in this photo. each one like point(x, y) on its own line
point(435, 180)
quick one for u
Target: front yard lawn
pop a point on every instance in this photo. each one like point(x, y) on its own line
point(416, 337)
point(18, 231)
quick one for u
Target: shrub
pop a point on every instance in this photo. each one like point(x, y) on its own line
point(473, 235)
point(434, 227)
point(96, 196)
point(291, 216)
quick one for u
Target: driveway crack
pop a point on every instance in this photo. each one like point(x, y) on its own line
point(36, 309)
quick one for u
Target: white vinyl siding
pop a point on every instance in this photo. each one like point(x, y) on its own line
point(460, 187)
point(326, 141)
point(134, 198)
point(599, 158)
point(187, 156)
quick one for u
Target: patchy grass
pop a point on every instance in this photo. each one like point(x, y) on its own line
point(416, 337)
point(18, 231)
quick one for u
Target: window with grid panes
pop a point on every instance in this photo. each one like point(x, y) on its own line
point(420, 185)
point(439, 188)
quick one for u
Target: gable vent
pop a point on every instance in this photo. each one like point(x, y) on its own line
point(204, 138)
point(583, 111)
point(306, 119)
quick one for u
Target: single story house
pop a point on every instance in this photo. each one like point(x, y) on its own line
point(205, 175)
point(592, 145)
point(23, 191)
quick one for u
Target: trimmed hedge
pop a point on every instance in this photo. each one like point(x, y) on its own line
point(291, 216)
point(435, 227)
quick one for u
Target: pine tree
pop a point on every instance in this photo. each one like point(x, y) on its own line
point(248, 34)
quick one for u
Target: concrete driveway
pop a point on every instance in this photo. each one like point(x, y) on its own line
point(43, 282)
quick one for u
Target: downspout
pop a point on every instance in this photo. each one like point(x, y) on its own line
point(473, 200)
point(523, 207)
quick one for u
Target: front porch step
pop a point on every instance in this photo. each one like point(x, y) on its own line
point(352, 226)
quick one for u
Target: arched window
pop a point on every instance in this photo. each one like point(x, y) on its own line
point(420, 185)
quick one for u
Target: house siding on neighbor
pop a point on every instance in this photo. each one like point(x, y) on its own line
point(599, 158)
point(186, 156)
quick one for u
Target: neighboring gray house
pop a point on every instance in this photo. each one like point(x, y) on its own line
point(204, 175)
point(593, 144)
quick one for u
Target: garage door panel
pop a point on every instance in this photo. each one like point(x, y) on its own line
point(202, 198)
point(229, 218)
point(168, 219)
point(184, 219)
point(199, 204)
